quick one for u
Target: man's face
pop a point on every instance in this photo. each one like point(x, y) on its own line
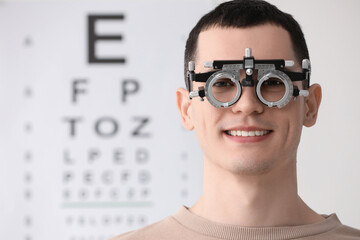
point(279, 130)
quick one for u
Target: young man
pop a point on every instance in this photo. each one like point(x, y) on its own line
point(248, 116)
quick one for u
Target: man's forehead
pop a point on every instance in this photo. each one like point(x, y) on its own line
point(267, 41)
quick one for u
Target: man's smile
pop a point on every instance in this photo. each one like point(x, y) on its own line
point(242, 133)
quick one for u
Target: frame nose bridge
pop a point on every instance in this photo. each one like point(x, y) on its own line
point(244, 82)
point(248, 90)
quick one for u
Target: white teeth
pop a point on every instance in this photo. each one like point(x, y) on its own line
point(239, 133)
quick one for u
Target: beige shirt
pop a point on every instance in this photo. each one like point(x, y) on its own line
point(185, 225)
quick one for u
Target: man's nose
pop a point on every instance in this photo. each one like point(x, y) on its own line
point(248, 103)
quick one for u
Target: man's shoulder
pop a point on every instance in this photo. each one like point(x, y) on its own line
point(345, 232)
point(159, 230)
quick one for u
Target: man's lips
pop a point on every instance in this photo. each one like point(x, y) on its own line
point(247, 133)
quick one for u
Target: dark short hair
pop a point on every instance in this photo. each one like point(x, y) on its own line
point(242, 14)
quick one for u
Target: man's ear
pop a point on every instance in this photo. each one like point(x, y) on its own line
point(184, 106)
point(312, 103)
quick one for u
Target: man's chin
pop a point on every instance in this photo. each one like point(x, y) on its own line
point(250, 167)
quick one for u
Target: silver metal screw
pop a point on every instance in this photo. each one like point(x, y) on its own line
point(248, 52)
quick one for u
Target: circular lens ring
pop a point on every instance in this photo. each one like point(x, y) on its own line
point(289, 88)
point(233, 76)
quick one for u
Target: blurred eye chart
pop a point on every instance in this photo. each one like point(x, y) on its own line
point(91, 141)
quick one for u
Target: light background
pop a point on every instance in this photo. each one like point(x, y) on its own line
point(43, 49)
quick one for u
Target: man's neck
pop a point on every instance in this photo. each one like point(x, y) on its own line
point(268, 199)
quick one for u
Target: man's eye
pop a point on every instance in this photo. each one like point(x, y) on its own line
point(273, 82)
point(223, 83)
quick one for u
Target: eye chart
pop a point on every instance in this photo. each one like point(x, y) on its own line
point(92, 142)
